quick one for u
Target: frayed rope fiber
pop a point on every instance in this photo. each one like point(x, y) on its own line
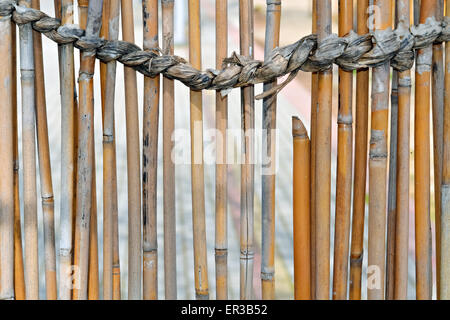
point(351, 52)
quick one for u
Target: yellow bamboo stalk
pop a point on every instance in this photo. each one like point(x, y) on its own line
point(302, 211)
point(197, 167)
point(133, 160)
point(6, 162)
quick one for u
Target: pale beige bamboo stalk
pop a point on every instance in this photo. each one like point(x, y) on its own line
point(29, 159)
point(68, 155)
point(133, 161)
point(150, 158)
point(110, 30)
point(197, 167)
point(6, 162)
point(323, 161)
point(170, 255)
point(445, 188)
point(85, 169)
point(269, 116)
point(248, 167)
point(45, 172)
point(438, 134)
point(378, 164)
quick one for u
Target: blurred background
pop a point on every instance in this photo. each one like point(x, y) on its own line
point(293, 100)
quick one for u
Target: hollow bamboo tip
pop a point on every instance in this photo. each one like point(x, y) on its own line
point(298, 128)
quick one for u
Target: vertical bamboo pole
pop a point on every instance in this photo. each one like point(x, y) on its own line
point(68, 155)
point(247, 168)
point(273, 15)
point(438, 131)
point(360, 171)
point(86, 163)
point(197, 169)
point(403, 149)
point(344, 164)
point(314, 95)
point(29, 159)
point(445, 188)
point(221, 242)
point(133, 160)
point(170, 258)
point(422, 162)
point(378, 164)
point(6, 161)
point(45, 172)
point(302, 210)
point(110, 210)
point(150, 157)
point(19, 277)
point(323, 161)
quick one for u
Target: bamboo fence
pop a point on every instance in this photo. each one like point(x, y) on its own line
point(387, 41)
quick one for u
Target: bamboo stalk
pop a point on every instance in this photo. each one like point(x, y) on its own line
point(314, 95)
point(378, 164)
point(221, 241)
point(323, 161)
point(344, 166)
point(68, 154)
point(403, 149)
point(247, 168)
point(445, 188)
point(19, 277)
point(29, 159)
point(197, 167)
point(93, 276)
point(360, 171)
point(422, 163)
point(110, 29)
point(133, 160)
point(273, 15)
point(150, 157)
point(392, 194)
point(438, 128)
point(85, 170)
point(302, 210)
point(170, 258)
point(45, 172)
point(7, 210)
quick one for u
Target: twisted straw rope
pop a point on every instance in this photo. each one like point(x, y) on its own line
point(351, 52)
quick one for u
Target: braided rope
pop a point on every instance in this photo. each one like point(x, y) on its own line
point(351, 52)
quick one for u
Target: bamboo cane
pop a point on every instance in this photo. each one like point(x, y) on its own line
point(360, 171)
point(302, 210)
point(344, 166)
point(273, 15)
point(247, 168)
point(44, 166)
point(445, 188)
point(314, 95)
point(19, 277)
point(85, 170)
point(438, 128)
point(323, 161)
point(378, 164)
point(29, 159)
point(403, 148)
point(221, 241)
point(68, 154)
point(392, 194)
point(197, 168)
point(170, 258)
point(133, 160)
point(422, 162)
point(110, 29)
point(6, 161)
point(150, 157)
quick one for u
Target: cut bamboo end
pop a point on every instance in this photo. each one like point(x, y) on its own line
point(298, 128)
